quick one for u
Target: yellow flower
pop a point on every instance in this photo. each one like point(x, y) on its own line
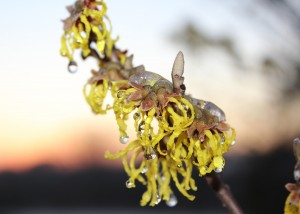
point(291, 208)
point(169, 152)
point(86, 26)
point(190, 133)
point(292, 202)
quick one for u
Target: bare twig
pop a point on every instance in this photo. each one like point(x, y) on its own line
point(223, 192)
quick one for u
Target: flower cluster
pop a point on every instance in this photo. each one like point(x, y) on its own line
point(175, 133)
point(292, 203)
point(86, 29)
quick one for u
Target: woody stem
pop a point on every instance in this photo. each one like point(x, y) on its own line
point(223, 192)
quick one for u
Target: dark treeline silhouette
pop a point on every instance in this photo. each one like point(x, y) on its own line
point(256, 181)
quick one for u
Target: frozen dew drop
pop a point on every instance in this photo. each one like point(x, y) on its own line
point(296, 174)
point(218, 170)
point(222, 141)
point(172, 202)
point(72, 67)
point(109, 85)
point(63, 53)
point(144, 170)
point(124, 139)
point(158, 199)
point(129, 184)
point(150, 154)
point(136, 116)
point(108, 107)
point(232, 143)
point(120, 94)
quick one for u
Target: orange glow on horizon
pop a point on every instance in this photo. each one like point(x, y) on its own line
point(71, 146)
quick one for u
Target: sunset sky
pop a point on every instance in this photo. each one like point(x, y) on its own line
point(44, 117)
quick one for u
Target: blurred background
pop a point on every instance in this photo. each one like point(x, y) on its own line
point(242, 55)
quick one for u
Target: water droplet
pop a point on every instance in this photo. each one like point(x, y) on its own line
point(150, 154)
point(124, 139)
point(172, 202)
point(129, 184)
point(158, 199)
point(63, 53)
point(218, 170)
point(179, 165)
point(232, 143)
point(83, 34)
point(222, 141)
point(108, 107)
point(136, 116)
point(109, 85)
point(296, 174)
point(120, 94)
point(141, 126)
point(72, 67)
point(144, 170)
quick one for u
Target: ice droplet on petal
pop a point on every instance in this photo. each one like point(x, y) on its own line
point(120, 94)
point(172, 202)
point(158, 199)
point(124, 139)
point(222, 139)
point(218, 170)
point(136, 116)
point(150, 154)
point(144, 170)
point(129, 184)
point(72, 67)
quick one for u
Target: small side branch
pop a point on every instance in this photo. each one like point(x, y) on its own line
point(223, 192)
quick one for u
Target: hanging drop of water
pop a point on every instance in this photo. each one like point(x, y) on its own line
point(120, 94)
point(108, 107)
point(232, 143)
point(136, 116)
point(129, 184)
point(144, 170)
point(172, 202)
point(109, 85)
point(222, 139)
point(158, 199)
point(218, 170)
point(72, 67)
point(63, 53)
point(124, 139)
point(150, 154)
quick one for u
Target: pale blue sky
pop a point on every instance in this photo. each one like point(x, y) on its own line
point(38, 94)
